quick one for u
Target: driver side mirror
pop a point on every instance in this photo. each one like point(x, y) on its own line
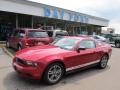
point(80, 48)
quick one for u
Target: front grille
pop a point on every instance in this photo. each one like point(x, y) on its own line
point(20, 61)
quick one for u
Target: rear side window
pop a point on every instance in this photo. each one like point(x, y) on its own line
point(15, 33)
point(61, 34)
point(37, 34)
point(96, 37)
point(87, 44)
point(99, 43)
point(21, 34)
point(50, 33)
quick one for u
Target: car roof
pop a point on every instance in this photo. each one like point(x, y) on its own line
point(57, 30)
point(30, 29)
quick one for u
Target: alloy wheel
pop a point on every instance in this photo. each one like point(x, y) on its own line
point(54, 73)
point(104, 61)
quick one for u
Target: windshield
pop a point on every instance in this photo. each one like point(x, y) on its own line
point(99, 37)
point(65, 43)
point(37, 34)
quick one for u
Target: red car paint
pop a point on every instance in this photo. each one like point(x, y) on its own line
point(47, 54)
point(24, 41)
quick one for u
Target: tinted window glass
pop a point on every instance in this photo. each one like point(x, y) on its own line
point(99, 43)
point(21, 34)
point(87, 44)
point(96, 37)
point(50, 33)
point(16, 33)
point(37, 34)
point(61, 34)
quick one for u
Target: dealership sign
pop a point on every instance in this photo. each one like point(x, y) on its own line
point(61, 14)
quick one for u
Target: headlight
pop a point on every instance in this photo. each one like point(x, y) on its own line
point(30, 63)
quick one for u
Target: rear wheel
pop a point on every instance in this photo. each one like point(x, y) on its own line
point(103, 62)
point(53, 73)
point(117, 44)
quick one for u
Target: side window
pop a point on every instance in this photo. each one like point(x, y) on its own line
point(99, 43)
point(21, 34)
point(15, 34)
point(96, 37)
point(50, 33)
point(87, 44)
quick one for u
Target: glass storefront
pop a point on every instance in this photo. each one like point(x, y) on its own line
point(24, 21)
point(9, 21)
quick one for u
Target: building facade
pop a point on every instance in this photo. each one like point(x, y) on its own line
point(27, 14)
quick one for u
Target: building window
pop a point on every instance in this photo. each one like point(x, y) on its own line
point(24, 21)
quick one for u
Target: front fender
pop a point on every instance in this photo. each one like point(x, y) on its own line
point(52, 59)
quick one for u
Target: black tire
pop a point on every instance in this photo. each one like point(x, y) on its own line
point(47, 78)
point(7, 44)
point(117, 44)
point(19, 47)
point(103, 62)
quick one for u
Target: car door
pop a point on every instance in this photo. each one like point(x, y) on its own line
point(83, 57)
point(15, 39)
point(88, 55)
point(19, 38)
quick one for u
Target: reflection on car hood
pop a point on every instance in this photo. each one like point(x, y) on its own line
point(39, 52)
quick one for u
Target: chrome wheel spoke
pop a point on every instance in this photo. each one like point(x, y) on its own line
point(54, 73)
point(50, 72)
point(58, 71)
point(52, 77)
point(104, 61)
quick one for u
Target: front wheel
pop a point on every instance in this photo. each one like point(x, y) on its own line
point(53, 73)
point(103, 62)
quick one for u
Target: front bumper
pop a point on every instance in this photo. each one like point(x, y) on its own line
point(28, 72)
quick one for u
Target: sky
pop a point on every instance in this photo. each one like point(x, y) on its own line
point(108, 9)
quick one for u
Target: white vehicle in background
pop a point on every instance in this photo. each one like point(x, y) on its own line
point(100, 38)
point(57, 33)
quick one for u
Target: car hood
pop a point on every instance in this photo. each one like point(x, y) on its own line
point(39, 52)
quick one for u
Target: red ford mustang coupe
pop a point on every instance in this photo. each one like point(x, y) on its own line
point(51, 62)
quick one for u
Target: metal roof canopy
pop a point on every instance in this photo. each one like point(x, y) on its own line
point(37, 9)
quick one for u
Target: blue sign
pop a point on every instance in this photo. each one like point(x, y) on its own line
point(71, 16)
point(60, 14)
point(55, 13)
point(47, 12)
point(76, 17)
point(81, 18)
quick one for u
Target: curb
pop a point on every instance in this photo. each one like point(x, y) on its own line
point(7, 52)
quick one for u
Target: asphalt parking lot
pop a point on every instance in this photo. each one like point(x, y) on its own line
point(91, 79)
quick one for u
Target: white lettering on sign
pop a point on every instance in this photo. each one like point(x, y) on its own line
point(55, 13)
